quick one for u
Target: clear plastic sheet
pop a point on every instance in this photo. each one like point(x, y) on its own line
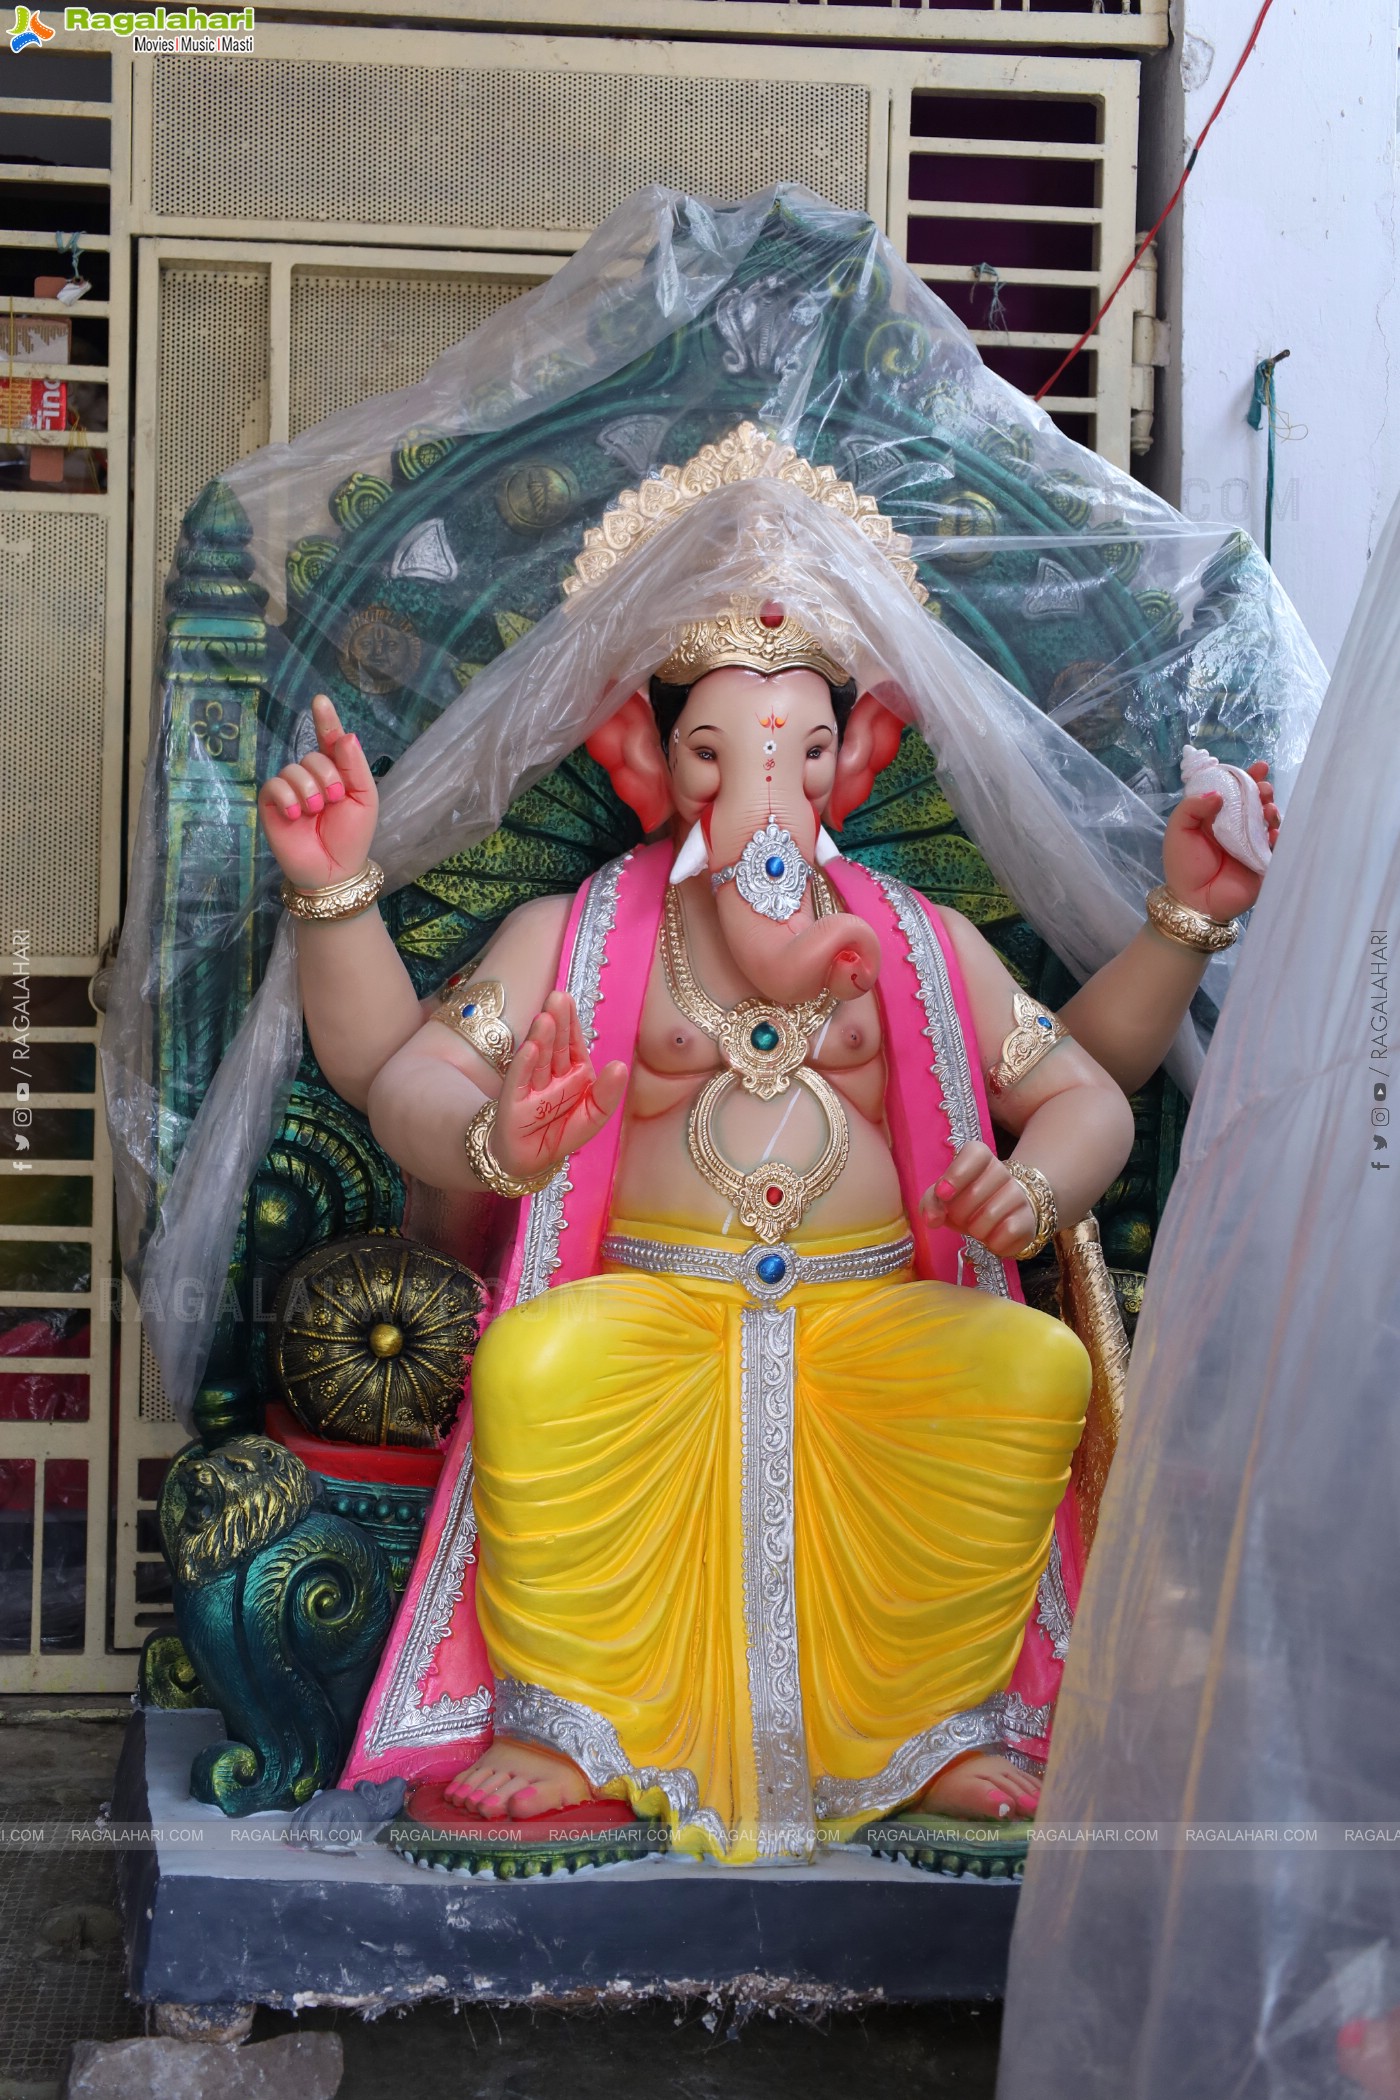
point(1077, 633)
point(1234, 1659)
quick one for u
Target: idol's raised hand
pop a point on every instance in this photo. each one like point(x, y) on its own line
point(551, 1100)
point(320, 812)
point(1197, 868)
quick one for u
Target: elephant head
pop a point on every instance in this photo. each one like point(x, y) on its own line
point(752, 761)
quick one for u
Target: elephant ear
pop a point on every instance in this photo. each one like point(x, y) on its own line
point(871, 742)
point(629, 747)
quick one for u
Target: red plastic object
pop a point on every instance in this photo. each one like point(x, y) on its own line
point(429, 1804)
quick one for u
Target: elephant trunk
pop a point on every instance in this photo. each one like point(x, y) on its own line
point(799, 957)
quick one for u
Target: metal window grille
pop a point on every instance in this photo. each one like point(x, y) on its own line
point(63, 540)
point(1013, 193)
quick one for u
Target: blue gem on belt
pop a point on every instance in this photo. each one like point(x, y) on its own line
point(772, 1268)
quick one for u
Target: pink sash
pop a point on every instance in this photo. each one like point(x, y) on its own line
point(429, 1709)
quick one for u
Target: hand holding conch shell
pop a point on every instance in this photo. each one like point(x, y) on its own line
point(1239, 824)
point(1220, 835)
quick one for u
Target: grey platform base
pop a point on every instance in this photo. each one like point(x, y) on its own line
point(220, 1911)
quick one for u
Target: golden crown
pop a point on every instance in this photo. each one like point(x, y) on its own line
point(768, 640)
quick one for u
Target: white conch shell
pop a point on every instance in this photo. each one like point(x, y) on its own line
point(1240, 827)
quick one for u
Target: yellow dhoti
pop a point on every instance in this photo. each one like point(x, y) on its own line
point(747, 1565)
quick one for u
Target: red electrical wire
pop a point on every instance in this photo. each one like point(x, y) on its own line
point(1171, 205)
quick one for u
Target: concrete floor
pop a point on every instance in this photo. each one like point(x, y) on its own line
point(60, 1982)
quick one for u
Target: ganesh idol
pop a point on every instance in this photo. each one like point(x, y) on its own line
point(765, 1501)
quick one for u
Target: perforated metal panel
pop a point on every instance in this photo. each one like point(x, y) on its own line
point(356, 335)
point(213, 385)
point(154, 1404)
point(52, 595)
point(318, 142)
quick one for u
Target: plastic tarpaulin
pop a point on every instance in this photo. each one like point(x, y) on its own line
point(1234, 1664)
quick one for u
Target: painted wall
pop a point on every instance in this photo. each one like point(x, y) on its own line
point(1286, 239)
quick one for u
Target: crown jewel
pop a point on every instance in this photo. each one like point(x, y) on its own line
point(768, 640)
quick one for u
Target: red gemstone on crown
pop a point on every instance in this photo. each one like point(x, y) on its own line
point(772, 1194)
point(772, 614)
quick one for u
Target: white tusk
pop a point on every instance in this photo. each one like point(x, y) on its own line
point(827, 848)
point(693, 858)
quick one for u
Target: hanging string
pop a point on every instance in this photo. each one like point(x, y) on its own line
point(986, 273)
point(1264, 401)
point(1171, 205)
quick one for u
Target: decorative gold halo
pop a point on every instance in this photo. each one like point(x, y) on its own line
point(745, 454)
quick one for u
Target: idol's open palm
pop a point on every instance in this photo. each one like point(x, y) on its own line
point(320, 811)
point(551, 1099)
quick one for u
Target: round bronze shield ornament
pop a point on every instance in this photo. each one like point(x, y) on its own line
point(536, 495)
point(381, 650)
point(372, 1339)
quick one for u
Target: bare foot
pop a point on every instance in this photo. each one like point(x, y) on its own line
point(982, 1784)
point(1369, 2053)
point(518, 1779)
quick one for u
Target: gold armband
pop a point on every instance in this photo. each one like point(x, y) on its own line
point(1047, 1213)
point(335, 900)
point(1189, 929)
point(487, 1168)
point(1035, 1034)
point(475, 1010)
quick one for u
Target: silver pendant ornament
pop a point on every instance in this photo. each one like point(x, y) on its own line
point(771, 874)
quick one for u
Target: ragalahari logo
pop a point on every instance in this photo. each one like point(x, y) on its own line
point(27, 31)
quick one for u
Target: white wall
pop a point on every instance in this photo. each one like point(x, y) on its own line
point(1286, 239)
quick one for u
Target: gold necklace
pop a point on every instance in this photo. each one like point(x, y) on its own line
point(764, 1047)
point(762, 1043)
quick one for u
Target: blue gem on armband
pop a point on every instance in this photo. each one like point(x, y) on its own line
point(775, 866)
point(468, 1011)
point(765, 1037)
point(772, 1268)
point(1042, 1021)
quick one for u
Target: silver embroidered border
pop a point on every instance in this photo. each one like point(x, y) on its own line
point(577, 1732)
point(1004, 1716)
point(950, 1062)
point(719, 1265)
point(1053, 1614)
point(596, 922)
point(402, 1719)
point(768, 1341)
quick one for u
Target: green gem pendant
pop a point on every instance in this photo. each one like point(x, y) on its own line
point(765, 1037)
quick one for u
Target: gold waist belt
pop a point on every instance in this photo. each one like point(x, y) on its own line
point(765, 1272)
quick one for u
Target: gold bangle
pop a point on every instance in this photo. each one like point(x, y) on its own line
point(475, 1011)
point(1047, 1211)
point(488, 1169)
point(335, 900)
point(1035, 1034)
point(1189, 929)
